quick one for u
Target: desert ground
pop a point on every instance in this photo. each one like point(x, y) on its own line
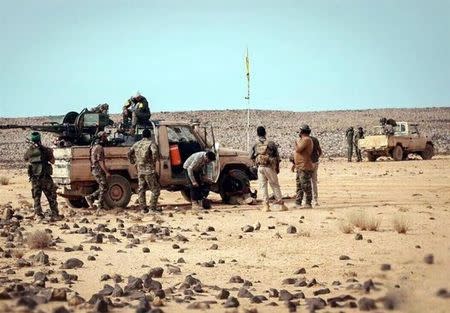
point(270, 268)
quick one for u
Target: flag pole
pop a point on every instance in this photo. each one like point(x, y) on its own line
point(247, 66)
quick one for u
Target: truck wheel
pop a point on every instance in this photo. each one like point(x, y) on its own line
point(428, 153)
point(77, 203)
point(371, 157)
point(118, 193)
point(397, 153)
point(234, 182)
point(186, 194)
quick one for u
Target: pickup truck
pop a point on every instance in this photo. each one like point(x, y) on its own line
point(230, 174)
point(406, 139)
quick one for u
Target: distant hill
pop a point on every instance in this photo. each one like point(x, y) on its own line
point(282, 126)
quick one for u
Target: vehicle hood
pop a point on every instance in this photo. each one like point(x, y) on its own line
point(231, 152)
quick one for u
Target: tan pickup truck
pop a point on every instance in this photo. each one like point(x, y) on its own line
point(230, 174)
point(406, 139)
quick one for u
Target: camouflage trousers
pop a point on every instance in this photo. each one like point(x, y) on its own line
point(350, 151)
point(148, 181)
point(358, 153)
point(99, 194)
point(303, 181)
point(44, 184)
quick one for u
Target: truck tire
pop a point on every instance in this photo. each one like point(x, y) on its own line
point(77, 203)
point(233, 182)
point(397, 153)
point(428, 153)
point(371, 157)
point(186, 194)
point(118, 193)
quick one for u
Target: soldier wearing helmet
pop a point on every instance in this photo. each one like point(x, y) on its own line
point(40, 160)
point(304, 165)
point(99, 171)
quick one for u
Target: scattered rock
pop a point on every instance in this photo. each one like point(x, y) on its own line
point(291, 230)
point(429, 259)
point(285, 295)
point(248, 229)
point(300, 271)
point(231, 302)
point(344, 257)
point(72, 263)
point(321, 291)
point(156, 272)
point(244, 293)
point(358, 236)
point(385, 267)
point(223, 294)
point(366, 304)
point(236, 279)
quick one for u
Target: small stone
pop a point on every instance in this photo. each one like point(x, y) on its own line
point(214, 247)
point(285, 295)
point(300, 271)
point(358, 237)
point(273, 293)
point(344, 257)
point(366, 304)
point(156, 272)
point(315, 304)
point(291, 230)
point(289, 281)
point(321, 291)
point(248, 229)
point(59, 294)
point(385, 267)
point(443, 293)
point(236, 279)
point(41, 258)
point(117, 291)
point(105, 277)
point(145, 250)
point(60, 309)
point(72, 263)
point(223, 294)
point(231, 302)
point(101, 306)
point(244, 293)
point(91, 258)
point(429, 259)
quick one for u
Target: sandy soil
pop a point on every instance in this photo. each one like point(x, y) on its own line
point(416, 191)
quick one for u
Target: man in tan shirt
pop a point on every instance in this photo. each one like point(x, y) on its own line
point(304, 166)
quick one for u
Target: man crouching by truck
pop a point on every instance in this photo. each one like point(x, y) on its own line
point(194, 168)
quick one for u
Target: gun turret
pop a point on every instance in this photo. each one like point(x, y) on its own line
point(74, 129)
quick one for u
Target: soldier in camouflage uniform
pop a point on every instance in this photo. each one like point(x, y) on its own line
point(359, 135)
point(144, 154)
point(349, 136)
point(304, 165)
point(265, 155)
point(40, 170)
point(137, 109)
point(99, 171)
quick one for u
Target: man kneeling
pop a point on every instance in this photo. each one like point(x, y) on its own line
point(195, 167)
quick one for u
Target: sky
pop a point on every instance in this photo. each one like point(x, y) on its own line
point(58, 56)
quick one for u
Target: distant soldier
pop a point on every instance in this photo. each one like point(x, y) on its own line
point(195, 168)
point(265, 155)
point(304, 165)
point(137, 109)
point(349, 136)
point(144, 154)
point(40, 170)
point(315, 155)
point(388, 125)
point(359, 135)
point(99, 171)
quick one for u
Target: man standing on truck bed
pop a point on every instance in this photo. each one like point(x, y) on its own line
point(99, 171)
point(137, 109)
point(194, 168)
point(144, 154)
point(265, 155)
point(40, 170)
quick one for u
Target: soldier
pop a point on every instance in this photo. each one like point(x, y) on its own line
point(265, 155)
point(304, 166)
point(40, 170)
point(349, 136)
point(144, 154)
point(99, 171)
point(194, 168)
point(137, 109)
point(101, 108)
point(315, 155)
point(359, 135)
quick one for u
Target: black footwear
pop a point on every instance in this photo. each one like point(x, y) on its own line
point(156, 209)
point(39, 215)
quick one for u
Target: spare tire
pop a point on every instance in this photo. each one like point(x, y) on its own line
point(119, 192)
point(234, 182)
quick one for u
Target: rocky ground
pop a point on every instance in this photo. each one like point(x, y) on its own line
point(231, 126)
point(237, 258)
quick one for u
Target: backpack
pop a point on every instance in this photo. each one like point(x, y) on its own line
point(262, 153)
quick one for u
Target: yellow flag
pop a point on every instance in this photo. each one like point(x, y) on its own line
point(247, 65)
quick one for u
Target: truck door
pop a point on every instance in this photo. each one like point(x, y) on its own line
point(416, 142)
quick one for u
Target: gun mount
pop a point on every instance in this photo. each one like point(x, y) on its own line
point(74, 128)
